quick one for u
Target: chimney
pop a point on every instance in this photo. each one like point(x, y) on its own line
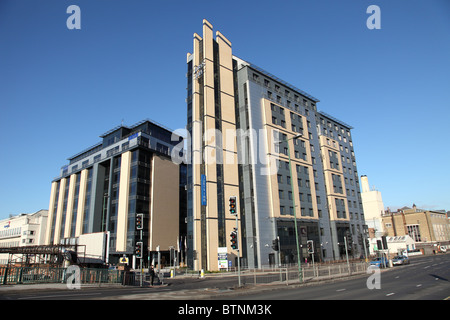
point(365, 183)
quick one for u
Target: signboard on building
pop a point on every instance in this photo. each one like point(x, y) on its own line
point(222, 257)
point(203, 189)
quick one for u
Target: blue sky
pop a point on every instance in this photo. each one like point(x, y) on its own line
point(60, 89)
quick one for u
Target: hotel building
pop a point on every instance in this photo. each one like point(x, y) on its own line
point(261, 139)
point(103, 188)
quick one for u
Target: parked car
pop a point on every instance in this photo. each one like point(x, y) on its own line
point(399, 260)
point(380, 262)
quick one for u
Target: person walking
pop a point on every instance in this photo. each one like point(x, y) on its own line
point(152, 275)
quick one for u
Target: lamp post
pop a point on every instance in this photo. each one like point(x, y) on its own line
point(300, 276)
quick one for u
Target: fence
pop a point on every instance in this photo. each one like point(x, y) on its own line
point(287, 275)
point(309, 273)
point(24, 275)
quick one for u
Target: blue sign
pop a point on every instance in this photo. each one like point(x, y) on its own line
point(133, 136)
point(203, 189)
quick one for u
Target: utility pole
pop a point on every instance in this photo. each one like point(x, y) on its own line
point(235, 242)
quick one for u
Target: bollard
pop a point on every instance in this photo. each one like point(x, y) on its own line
point(171, 273)
point(202, 274)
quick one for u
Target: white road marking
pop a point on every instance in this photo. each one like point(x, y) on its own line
point(61, 295)
point(390, 294)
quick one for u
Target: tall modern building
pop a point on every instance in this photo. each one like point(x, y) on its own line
point(104, 187)
point(261, 139)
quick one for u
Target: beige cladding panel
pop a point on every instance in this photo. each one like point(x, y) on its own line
point(225, 56)
point(211, 200)
point(213, 242)
point(122, 212)
point(230, 169)
point(69, 210)
point(58, 223)
point(196, 194)
point(81, 203)
point(229, 139)
point(210, 132)
point(164, 220)
point(50, 213)
point(208, 94)
point(207, 40)
point(226, 81)
point(196, 61)
point(227, 108)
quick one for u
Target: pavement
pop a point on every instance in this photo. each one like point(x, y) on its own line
point(170, 290)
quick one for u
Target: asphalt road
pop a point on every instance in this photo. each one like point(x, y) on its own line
point(425, 278)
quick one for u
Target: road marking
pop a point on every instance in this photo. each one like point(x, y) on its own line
point(427, 267)
point(419, 285)
point(397, 277)
point(339, 290)
point(59, 295)
point(390, 294)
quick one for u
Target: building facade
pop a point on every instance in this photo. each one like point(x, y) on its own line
point(261, 139)
point(373, 208)
point(423, 226)
point(22, 230)
point(103, 188)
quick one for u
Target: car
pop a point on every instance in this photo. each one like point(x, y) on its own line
point(380, 262)
point(399, 260)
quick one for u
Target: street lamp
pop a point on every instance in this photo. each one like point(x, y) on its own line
point(300, 277)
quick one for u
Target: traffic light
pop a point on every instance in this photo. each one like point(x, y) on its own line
point(310, 246)
point(139, 249)
point(275, 245)
point(384, 242)
point(139, 221)
point(233, 209)
point(233, 239)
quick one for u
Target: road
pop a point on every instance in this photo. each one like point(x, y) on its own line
point(424, 279)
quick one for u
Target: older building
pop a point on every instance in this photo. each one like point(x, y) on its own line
point(423, 226)
point(292, 168)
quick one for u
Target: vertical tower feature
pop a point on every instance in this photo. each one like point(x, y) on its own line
point(214, 155)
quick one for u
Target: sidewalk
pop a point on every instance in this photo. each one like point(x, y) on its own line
point(166, 292)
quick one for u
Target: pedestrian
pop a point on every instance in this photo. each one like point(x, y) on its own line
point(152, 274)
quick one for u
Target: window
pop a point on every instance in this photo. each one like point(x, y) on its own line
point(414, 232)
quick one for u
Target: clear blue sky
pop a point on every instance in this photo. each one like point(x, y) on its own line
point(60, 89)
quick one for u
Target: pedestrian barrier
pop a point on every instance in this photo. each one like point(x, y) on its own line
point(25, 275)
point(287, 275)
point(290, 275)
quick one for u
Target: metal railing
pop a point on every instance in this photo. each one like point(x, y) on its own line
point(28, 275)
